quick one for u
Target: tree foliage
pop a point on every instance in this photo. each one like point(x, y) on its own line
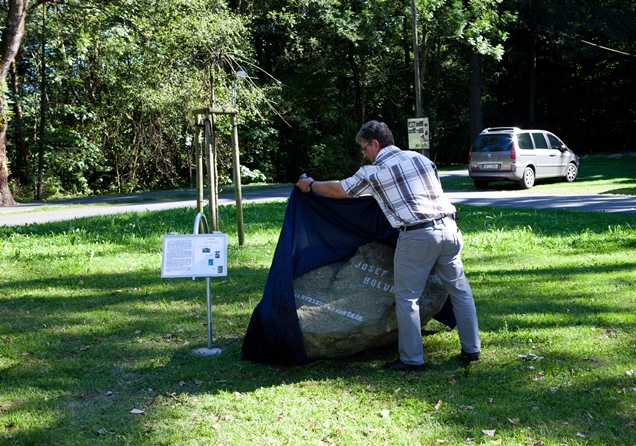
point(124, 75)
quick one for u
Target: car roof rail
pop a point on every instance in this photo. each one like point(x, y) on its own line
point(500, 129)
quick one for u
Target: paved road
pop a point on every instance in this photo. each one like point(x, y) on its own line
point(15, 215)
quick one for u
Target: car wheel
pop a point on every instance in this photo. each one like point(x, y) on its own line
point(528, 179)
point(481, 184)
point(571, 173)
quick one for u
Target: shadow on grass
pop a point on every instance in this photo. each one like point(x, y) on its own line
point(98, 354)
point(100, 345)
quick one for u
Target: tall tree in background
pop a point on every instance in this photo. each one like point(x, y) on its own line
point(12, 36)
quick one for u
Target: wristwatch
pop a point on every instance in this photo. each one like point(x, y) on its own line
point(309, 187)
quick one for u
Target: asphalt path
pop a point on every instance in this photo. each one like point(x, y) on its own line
point(155, 201)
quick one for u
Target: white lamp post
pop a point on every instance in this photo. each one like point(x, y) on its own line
point(241, 74)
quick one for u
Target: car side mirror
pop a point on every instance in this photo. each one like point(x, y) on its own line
point(563, 148)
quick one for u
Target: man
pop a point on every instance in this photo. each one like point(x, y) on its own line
point(408, 190)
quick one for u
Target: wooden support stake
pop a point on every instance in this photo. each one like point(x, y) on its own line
point(211, 163)
point(237, 182)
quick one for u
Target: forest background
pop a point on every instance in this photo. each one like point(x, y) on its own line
point(97, 96)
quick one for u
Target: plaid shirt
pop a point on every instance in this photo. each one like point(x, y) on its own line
point(405, 184)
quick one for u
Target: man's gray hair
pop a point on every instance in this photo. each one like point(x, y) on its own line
point(378, 131)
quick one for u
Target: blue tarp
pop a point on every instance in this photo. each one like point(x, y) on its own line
point(316, 231)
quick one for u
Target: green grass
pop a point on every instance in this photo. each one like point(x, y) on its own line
point(89, 332)
point(598, 174)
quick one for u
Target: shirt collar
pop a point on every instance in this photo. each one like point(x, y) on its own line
point(385, 153)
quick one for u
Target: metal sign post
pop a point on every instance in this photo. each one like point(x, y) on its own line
point(197, 255)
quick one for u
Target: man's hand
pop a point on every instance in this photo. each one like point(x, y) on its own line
point(303, 184)
point(327, 188)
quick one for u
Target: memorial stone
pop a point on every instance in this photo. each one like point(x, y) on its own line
point(349, 306)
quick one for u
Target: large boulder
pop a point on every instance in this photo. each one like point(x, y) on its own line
point(349, 306)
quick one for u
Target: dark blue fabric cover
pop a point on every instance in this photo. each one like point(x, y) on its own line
point(316, 231)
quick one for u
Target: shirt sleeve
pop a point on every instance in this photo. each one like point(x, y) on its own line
point(358, 184)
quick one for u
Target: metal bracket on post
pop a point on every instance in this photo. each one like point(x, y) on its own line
point(199, 221)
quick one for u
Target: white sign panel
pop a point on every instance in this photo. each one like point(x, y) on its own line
point(196, 255)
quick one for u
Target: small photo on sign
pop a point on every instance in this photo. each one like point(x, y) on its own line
point(220, 270)
point(217, 254)
point(210, 262)
point(206, 250)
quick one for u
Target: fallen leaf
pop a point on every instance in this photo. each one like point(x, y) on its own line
point(538, 443)
point(109, 393)
point(515, 421)
point(629, 372)
point(198, 382)
point(553, 390)
point(86, 347)
point(452, 381)
point(182, 383)
point(136, 411)
point(489, 433)
point(438, 405)
point(385, 413)
point(490, 400)
point(102, 431)
point(580, 434)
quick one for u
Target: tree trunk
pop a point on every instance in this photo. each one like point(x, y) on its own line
point(19, 135)
point(9, 46)
point(475, 106)
point(532, 82)
point(43, 105)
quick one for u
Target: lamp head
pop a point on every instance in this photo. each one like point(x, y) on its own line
point(241, 73)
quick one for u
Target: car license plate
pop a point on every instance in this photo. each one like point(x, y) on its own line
point(491, 166)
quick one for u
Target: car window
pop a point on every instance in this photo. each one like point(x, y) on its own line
point(555, 143)
point(539, 141)
point(524, 141)
point(492, 143)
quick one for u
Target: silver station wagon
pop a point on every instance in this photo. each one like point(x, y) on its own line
point(513, 154)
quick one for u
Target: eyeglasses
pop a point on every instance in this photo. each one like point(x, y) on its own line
point(365, 147)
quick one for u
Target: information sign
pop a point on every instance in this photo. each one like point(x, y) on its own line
point(196, 255)
point(418, 134)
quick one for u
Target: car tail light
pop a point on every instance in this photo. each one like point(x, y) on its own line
point(513, 151)
point(470, 153)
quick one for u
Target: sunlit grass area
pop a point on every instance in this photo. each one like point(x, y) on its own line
point(95, 346)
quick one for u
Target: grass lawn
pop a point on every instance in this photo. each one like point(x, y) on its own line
point(94, 345)
point(90, 335)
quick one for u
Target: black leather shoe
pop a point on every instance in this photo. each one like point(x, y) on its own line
point(399, 366)
point(469, 356)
